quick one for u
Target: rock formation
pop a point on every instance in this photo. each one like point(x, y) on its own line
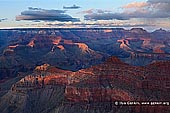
point(95, 89)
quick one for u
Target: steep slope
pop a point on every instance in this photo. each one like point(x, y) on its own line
point(95, 89)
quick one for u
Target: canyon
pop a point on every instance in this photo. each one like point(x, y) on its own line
point(64, 70)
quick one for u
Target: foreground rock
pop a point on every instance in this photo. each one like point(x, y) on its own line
point(95, 89)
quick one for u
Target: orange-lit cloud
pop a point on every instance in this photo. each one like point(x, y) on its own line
point(136, 5)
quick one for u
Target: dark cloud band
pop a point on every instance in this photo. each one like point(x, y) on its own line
point(105, 16)
point(45, 15)
point(3, 19)
point(71, 7)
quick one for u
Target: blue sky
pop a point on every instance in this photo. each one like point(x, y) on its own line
point(150, 14)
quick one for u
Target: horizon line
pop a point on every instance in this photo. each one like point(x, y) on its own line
point(124, 28)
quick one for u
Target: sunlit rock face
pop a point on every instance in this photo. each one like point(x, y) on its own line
point(31, 43)
point(61, 47)
point(124, 44)
point(108, 30)
point(57, 40)
point(42, 67)
point(82, 46)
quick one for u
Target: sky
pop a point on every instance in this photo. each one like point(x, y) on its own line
point(148, 14)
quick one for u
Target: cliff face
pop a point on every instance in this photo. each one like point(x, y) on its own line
point(96, 89)
point(73, 49)
point(33, 101)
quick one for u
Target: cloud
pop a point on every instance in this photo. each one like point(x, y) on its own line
point(159, 1)
point(105, 16)
point(71, 7)
point(91, 11)
point(140, 10)
point(34, 8)
point(161, 6)
point(38, 14)
point(98, 14)
point(152, 8)
point(3, 19)
point(98, 24)
point(136, 5)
